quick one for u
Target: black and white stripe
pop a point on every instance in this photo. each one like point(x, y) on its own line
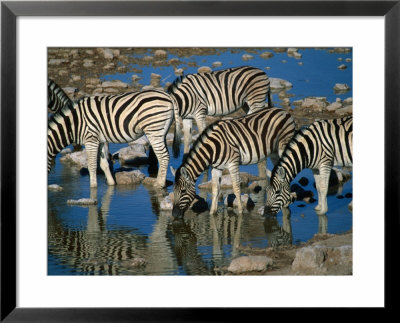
point(220, 93)
point(321, 146)
point(226, 144)
point(120, 118)
point(56, 97)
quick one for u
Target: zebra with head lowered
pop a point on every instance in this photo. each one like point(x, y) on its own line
point(121, 118)
point(321, 146)
point(218, 93)
point(226, 144)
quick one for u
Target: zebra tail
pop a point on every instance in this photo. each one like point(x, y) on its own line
point(176, 144)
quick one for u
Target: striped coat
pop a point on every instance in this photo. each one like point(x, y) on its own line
point(219, 93)
point(321, 146)
point(120, 118)
point(226, 144)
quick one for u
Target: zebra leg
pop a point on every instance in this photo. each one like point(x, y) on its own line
point(234, 172)
point(104, 165)
point(216, 183)
point(92, 147)
point(160, 150)
point(187, 134)
point(322, 183)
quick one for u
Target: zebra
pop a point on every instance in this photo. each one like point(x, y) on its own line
point(320, 146)
point(218, 93)
point(57, 98)
point(226, 144)
point(119, 118)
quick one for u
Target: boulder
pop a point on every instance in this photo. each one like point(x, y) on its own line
point(115, 84)
point(247, 57)
point(245, 264)
point(160, 54)
point(128, 154)
point(78, 158)
point(345, 110)
point(279, 84)
point(342, 67)
point(339, 87)
point(129, 177)
point(204, 69)
point(216, 64)
point(108, 53)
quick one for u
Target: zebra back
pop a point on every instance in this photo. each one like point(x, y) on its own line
point(56, 97)
point(221, 92)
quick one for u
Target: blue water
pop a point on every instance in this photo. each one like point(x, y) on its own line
point(127, 224)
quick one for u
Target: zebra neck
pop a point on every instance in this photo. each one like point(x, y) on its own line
point(61, 131)
point(195, 168)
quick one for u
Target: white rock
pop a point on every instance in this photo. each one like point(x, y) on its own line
point(309, 260)
point(266, 55)
point(141, 141)
point(78, 158)
point(55, 188)
point(348, 109)
point(279, 84)
point(58, 61)
point(166, 203)
point(131, 152)
point(342, 67)
point(160, 53)
point(334, 106)
point(128, 178)
point(204, 69)
point(216, 64)
point(84, 201)
point(250, 263)
point(247, 57)
point(108, 53)
point(341, 87)
point(348, 101)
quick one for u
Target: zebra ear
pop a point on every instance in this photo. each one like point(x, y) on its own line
point(184, 173)
point(280, 172)
point(173, 170)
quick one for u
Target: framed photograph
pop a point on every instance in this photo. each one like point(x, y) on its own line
point(152, 107)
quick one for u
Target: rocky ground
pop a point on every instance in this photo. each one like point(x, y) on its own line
point(324, 254)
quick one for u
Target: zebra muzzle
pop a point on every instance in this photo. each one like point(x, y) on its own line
point(177, 213)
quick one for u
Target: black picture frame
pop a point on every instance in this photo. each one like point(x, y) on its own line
point(10, 10)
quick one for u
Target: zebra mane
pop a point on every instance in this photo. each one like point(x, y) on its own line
point(175, 84)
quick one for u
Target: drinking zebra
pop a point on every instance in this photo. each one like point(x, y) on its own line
point(218, 93)
point(120, 118)
point(226, 144)
point(321, 146)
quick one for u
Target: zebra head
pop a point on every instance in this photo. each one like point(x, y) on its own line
point(278, 192)
point(184, 191)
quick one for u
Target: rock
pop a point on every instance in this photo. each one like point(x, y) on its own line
point(110, 90)
point(93, 81)
point(350, 206)
point(88, 63)
point(309, 260)
point(115, 84)
point(342, 174)
point(204, 69)
point(166, 203)
point(216, 64)
point(58, 61)
point(66, 151)
point(135, 78)
point(130, 177)
point(108, 53)
point(78, 158)
point(334, 106)
point(291, 50)
point(83, 201)
point(70, 91)
point(342, 67)
point(128, 154)
point(348, 101)
point(348, 60)
point(318, 259)
point(314, 103)
point(160, 53)
point(250, 263)
point(341, 87)
point(279, 84)
point(55, 188)
point(155, 80)
point(226, 181)
point(109, 66)
point(266, 55)
point(141, 141)
point(247, 57)
point(346, 110)
point(150, 181)
point(178, 71)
